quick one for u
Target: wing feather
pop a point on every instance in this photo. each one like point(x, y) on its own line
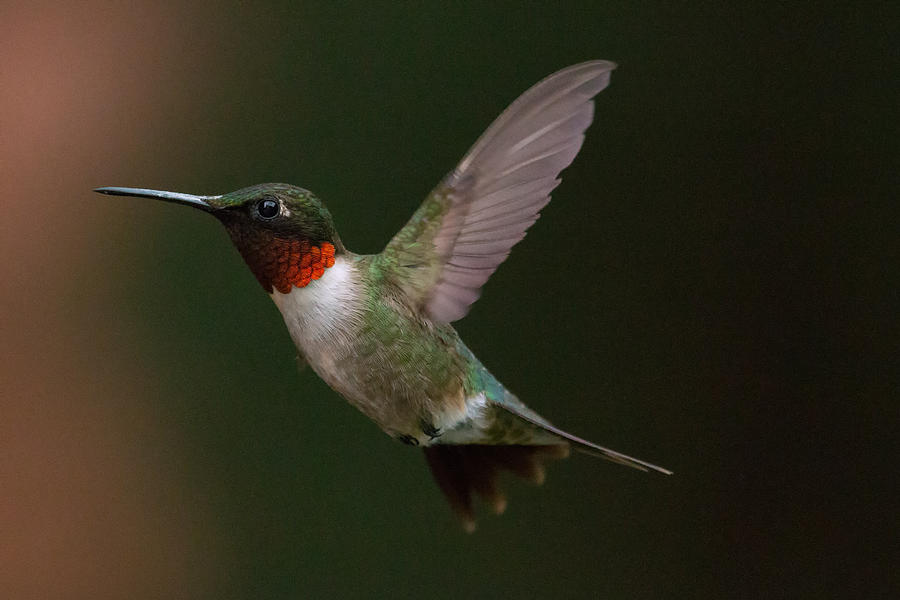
point(470, 222)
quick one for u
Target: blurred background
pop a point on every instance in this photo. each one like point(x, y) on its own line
point(712, 289)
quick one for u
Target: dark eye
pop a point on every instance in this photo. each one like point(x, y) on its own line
point(267, 208)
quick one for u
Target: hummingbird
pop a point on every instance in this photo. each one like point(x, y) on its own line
point(378, 328)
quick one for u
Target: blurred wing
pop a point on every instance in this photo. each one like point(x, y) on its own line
point(468, 224)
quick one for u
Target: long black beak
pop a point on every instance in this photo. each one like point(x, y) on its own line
point(207, 203)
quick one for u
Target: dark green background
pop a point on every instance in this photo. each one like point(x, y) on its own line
point(697, 295)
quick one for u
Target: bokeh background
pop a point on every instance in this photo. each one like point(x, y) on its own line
point(712, 289)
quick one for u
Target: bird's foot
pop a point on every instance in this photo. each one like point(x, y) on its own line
point(430, 430)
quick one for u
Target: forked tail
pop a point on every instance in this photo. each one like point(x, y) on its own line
point(465, 471)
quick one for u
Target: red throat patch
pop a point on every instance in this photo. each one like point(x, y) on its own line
point(298, 262)
point(283, 264)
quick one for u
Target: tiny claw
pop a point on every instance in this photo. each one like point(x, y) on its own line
point(430, 430)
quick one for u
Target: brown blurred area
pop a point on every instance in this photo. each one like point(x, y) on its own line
point(93, 499)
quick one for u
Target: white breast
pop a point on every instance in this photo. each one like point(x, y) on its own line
point(322, 315)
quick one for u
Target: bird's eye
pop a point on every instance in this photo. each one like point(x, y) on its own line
point(267, 208)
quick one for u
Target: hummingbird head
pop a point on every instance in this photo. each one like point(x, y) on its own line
point(284, 233)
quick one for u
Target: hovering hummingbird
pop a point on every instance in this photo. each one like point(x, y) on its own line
point(377, 328)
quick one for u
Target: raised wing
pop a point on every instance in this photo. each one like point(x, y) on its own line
point(470, 221)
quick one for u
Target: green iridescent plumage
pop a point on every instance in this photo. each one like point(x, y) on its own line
point(378, 328)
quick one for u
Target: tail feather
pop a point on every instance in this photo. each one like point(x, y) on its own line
point(465, 471)
point(519, 441)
